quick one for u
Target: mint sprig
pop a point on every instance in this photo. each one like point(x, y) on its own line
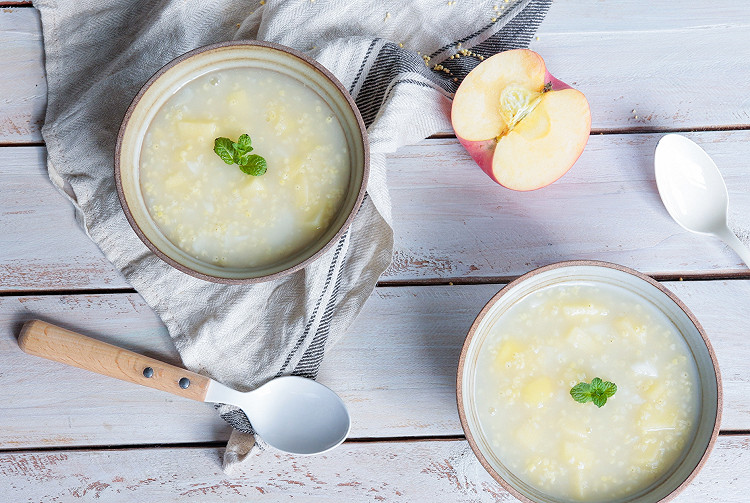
point(598, 391)
point(238, 152)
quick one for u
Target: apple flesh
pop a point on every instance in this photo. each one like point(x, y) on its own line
point(522, 126)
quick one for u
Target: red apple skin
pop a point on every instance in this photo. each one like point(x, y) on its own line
point(557, 85)
point(483, 151)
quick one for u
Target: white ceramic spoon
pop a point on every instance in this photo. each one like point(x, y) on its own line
point(693, 190)
point(292, 414)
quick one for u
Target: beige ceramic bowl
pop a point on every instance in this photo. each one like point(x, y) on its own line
point(676, 478)
point(250, 55)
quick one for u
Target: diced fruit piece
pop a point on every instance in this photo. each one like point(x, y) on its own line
point(581, 309)
point(316, 217)
point(237, 99)
point(647, 453)
point(657, 416)
point(580, 339)
point(177, 184)
point(575, 426)
point(507, 352)
point(579, 484)
point(528, 435)
point(301, 190)
point(197, 130)
point(577, 455)
point(656, 391)
point(630, 327)
point(537, 391)
point(522, 126)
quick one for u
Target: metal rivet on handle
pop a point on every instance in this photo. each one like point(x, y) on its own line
point(148, 372)
point(184, 382)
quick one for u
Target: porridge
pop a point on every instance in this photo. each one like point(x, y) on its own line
point(219, 214)
point(566, 334)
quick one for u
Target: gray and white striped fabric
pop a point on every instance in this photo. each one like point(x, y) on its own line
point(395, 59)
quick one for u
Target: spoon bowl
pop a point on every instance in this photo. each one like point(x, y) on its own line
point(693, 190)
point(290, 413)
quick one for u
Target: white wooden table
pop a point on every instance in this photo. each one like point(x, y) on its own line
point(66, 435)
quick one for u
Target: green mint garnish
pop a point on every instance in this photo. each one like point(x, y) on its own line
point(224, 149)
point(254, 165)
point(598, 391)
point(238, 152)
point(243, 144)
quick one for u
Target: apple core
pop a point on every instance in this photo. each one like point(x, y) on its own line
point(517, 102)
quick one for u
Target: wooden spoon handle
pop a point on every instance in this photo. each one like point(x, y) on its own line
point(55, 343)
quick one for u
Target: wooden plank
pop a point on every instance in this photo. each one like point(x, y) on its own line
point(451, 222)
point(676, 70)
point(23, 86)
point(51, 404)
point(432, 471)
point(585, 16)
point(672, 79)
point(395, 368)
point(43, 248)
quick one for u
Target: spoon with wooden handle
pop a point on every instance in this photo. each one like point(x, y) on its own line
point(290, 413)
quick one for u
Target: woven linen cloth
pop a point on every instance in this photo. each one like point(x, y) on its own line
point(100, 52)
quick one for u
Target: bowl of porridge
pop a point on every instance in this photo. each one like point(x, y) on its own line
point(242, 161)
point(589, 382)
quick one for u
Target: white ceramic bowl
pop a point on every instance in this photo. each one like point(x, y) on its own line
point(650, 291)
point(250, 55)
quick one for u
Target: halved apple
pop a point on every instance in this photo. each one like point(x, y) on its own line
point(522, 126)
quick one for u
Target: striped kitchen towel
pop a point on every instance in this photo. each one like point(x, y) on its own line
point(395, 59)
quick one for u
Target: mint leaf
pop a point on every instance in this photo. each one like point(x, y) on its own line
point(255, 165)
point(244, 144)
point(239, 153)
point(599, 400)
point(598, 391)
point(581, 392)
point(597, 385)
point(610, 389)
point(224, 148)
point(244, 158)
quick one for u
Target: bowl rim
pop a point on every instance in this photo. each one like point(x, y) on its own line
point(595, 263)
point(296, 267)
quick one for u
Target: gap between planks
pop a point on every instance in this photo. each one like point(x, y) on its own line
point(223, 443)
point(487, 280)
point(446, 135)
point(635, 130)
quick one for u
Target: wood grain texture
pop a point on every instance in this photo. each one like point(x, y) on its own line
point(429, 471)
point(655, 80)
point(395, 369)
point(22, 82)
point(451, 222)
point(45, 340)
point(682, 67)
point(41, 242)
point(587, 16)
point(47, 404)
